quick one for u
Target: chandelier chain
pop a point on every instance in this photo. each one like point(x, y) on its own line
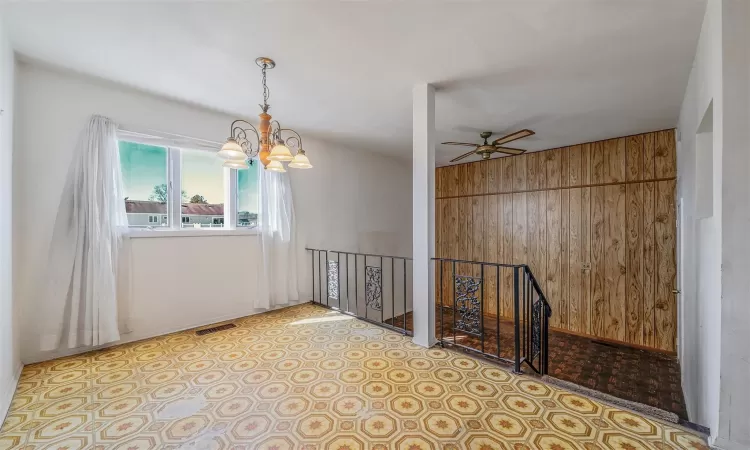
point(266, 91)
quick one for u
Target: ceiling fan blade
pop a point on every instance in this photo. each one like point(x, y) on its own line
point(509, 151)
point(459, 143)
point(458, 158)
point(512, 137)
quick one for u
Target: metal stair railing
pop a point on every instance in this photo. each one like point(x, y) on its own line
point(470, 315)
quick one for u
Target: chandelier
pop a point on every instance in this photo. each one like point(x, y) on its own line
point(266, 142)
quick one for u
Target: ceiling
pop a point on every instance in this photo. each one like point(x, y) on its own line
point(572, 70)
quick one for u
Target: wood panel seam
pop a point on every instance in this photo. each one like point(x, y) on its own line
point(654, 180)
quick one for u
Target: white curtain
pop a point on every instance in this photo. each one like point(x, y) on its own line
point(277, 277)
point(79, 307)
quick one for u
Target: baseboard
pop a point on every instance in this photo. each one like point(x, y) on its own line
point(724, 444)
point(6, 395)
point(135, 336)
point(652, 411)
point(615, 342)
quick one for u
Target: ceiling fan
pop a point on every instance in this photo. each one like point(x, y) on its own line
point(486, 149)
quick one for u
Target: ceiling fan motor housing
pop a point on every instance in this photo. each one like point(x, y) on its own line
point(485, 151)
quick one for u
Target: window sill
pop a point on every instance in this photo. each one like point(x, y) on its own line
point(138, 233)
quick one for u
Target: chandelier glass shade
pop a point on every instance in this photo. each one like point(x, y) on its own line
point(268, 142)
point(300, 161)
point(275, 166)
point(280, 152)
point(236, 164)
point(231, 150)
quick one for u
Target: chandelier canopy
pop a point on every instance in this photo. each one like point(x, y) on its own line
point(269, 144)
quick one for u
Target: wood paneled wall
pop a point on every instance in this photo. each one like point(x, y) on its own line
point(595, 222)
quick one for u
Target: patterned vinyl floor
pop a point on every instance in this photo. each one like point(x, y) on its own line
point(307, 378)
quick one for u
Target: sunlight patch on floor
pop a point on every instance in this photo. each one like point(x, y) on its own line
point(337, 318)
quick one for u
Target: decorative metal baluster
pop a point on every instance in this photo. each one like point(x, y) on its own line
point(333, 281)
point(536, 329)
point(373, 288)
point(468, 304)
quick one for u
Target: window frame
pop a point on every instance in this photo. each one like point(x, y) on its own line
point(174, 203)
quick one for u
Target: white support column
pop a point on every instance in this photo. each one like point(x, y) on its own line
point(423, 215)
point(174, 192)
point(230, 198)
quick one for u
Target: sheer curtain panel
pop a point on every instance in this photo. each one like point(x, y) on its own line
point(79, 305)
point(277, 277)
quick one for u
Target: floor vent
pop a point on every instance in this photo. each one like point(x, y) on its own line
point(606, 344)
point(226, 326)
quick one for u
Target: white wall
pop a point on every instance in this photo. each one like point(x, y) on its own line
point(714, 351)
point(734, 405)
point(700, 322)
point(10, 362)
point(360, 201)
point(352, 200)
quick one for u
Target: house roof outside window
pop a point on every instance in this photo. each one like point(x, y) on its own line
point(149, 207)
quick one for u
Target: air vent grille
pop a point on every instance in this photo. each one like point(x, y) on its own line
point(215, 329)
point(606, 344)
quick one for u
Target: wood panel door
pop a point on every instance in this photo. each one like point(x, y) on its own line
point(614, 262)
point(578, 261)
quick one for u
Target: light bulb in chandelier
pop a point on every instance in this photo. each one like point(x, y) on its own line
point(280, 152)
point(231, 150)
point(236, 164)
point(275, 166)
point(300, 161)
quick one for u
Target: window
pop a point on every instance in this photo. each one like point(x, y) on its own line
point(179, 188)
point(202, 187)
point(144, 177)
point(247, 197)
